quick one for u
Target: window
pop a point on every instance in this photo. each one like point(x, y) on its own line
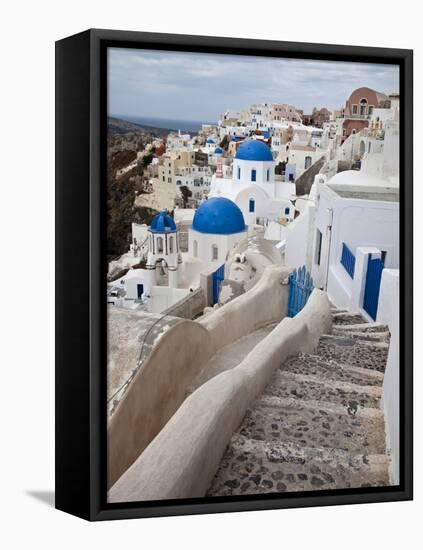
point(318, 246)
point(215, 252)
point(287, 211)
point(239, 172)
point(253, 174)
point(195, 247)
point(159, 245)
point(252, 205)
point(268, 175)
point(307, 162)
point(354, 109)
point(363, 107)
point(171, 245)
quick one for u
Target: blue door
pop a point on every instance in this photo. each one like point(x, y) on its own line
point(371, 292)
point(140, 291)
point(300, 288)
point(218, 277)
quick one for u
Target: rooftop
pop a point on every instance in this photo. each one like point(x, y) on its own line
point(386, 194)
point(218, 216)
point(253, 149)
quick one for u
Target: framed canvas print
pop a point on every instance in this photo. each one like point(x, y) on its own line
point(234, 274)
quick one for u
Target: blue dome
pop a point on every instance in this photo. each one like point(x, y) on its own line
point(254, 149)
point(210, 140)
point(162, 223)
point(218, 151)
point(218, 216)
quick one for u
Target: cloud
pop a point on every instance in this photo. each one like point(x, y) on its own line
point(195, 86)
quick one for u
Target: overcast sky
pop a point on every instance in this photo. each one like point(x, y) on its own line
point(195, 86)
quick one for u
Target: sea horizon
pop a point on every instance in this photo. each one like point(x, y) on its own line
point(166, 123)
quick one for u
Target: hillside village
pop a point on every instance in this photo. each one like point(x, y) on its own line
point(265, 247)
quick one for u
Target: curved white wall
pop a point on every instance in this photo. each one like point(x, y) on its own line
point(182, 460)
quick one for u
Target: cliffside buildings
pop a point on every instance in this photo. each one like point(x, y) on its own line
point(242, 179)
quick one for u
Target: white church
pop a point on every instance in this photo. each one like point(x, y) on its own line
point(253, 186)
point(169, 275)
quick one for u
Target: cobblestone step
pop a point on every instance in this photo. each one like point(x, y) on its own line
point(313, 365)
point(354, 352)
point(258, 467)
point(378, 336)
point(315, 424)
point(318, 424)
point(362, 327)
point(347, 318)
point(312, 388)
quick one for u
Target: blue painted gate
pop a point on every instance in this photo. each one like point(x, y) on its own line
point(371, 292)
point(300, 288)
point(218, 277)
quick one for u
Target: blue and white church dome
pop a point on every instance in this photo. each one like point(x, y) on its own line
point(162, 223)
point(218, 216)
point(254, 150)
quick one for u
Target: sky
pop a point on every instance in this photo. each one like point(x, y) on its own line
point(200, 87)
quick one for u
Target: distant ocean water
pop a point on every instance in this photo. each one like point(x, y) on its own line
point(174, 124)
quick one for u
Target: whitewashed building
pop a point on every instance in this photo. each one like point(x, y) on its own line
point(253, 187)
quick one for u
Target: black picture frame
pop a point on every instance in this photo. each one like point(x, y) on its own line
point(81, 272)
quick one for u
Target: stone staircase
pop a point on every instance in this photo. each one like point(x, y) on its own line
point(318, 424)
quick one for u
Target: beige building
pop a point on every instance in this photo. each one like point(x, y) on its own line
point(282, 111)
point(172, 162)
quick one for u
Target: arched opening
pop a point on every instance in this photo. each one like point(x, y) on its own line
point(215, 252)
point(159, 245)
point(363, 107)
point(307, 162)
point(253, 174)
point(251, 205)
point(195, 249)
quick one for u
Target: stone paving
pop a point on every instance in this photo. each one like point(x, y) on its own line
point(350, 351)
point(318, 424)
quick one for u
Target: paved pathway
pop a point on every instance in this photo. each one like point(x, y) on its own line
point(230, 356)
point(318, 424)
